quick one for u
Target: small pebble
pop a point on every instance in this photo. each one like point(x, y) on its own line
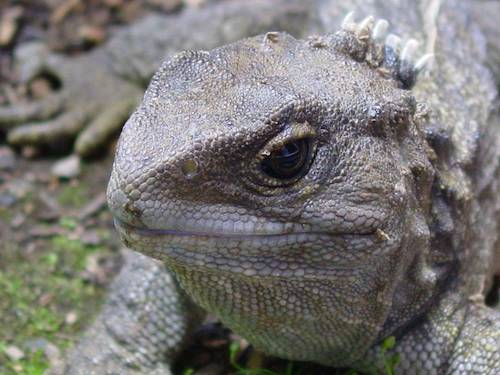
point(71, 318)
point(14, 353)
point(67, 168)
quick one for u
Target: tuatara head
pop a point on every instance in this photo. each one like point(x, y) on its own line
point(286, 184)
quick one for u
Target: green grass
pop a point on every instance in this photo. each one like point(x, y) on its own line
point(37, 294)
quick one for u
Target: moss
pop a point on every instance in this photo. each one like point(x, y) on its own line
point(36, 296)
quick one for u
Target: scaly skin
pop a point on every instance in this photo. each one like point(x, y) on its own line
point(388, 228)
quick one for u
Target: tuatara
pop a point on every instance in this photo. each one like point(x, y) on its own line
point(316, 195)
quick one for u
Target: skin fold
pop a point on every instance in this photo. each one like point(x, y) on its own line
point(387, 228)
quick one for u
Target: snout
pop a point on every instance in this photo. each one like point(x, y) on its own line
point(122, 207)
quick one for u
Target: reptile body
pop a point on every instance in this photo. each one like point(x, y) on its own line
point(316, 195)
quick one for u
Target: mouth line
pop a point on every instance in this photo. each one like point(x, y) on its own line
point(147, 232)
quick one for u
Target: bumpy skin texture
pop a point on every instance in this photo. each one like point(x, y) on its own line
point(141, 327)
point(391, 227)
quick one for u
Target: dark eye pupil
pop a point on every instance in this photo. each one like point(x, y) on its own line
point(288, 161)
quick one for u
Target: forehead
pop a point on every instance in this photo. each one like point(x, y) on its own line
point(246, 80)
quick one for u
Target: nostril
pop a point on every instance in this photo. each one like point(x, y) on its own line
point(122, 208)
point(132, 209)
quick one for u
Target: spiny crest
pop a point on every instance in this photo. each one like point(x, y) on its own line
point(369, 41)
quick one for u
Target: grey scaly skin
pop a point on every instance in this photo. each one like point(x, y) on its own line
point(314, 195)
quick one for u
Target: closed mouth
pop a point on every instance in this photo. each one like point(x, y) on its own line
point(149, 232)
point(208, 249)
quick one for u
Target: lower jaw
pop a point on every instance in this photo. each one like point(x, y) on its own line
point(312, 328)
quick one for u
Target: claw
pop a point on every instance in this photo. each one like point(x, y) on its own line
point(380, 30)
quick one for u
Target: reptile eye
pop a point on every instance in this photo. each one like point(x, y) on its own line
point(287, 161)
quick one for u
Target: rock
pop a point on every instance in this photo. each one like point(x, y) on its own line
point(7, 159)
point(71, 318)
point(13, 352)
point(67, 168)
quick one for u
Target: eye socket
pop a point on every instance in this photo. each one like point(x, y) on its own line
point(289, 160)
